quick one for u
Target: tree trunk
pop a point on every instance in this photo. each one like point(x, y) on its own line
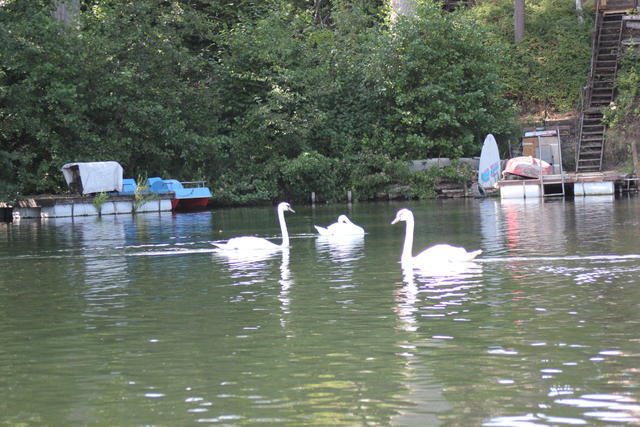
point(402, 7)
point(518, 20)
point(66, 11)
point(579, 11)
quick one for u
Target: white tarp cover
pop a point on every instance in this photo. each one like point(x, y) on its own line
point(95, 177)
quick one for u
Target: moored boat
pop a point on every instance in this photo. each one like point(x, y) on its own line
point(526, 167)
point(187, 195)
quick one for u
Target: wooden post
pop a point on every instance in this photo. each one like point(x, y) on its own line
point(313, 198)
point(634, 154)
point(349, 196)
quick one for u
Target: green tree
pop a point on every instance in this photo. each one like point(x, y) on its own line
point(443, 91)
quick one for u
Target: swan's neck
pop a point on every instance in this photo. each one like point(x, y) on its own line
point(283, 229)
point(407, 254)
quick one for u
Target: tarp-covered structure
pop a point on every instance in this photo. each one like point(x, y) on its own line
point(93, 177)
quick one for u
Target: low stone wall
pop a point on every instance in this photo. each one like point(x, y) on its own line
point(426, 164)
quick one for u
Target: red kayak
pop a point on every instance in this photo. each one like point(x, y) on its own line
point(527, 167)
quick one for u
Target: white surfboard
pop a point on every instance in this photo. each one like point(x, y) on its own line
point(489, 168)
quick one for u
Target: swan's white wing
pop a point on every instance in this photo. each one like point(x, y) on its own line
point(247, 243)
point(342, 229)
point(444, 253)
point(356, 229)
point(322, 230)
point(349, 227)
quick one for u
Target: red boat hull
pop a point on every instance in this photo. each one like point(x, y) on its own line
point(187, 204)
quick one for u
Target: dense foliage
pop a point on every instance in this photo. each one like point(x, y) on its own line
point(266, 99)
point(623, 116)
point(547, 69)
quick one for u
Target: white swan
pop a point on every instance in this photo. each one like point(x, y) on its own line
point(252, 243)
point(342, 227)
point(438, 255)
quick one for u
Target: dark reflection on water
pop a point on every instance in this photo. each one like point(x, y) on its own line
point(139, 320)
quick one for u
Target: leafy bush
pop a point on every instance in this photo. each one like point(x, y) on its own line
point(99, 200)
point(627, 104)
point(623, 115)
point(424, 183)
point(310, 171)
point(247, 186)
point(369, 174)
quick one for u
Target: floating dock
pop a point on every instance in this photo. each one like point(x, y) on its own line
point(47, 206)
point(568, 185)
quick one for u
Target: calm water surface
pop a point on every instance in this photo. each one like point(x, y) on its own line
point(137, 320)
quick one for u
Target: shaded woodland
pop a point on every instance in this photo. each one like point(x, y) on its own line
point(274, 99)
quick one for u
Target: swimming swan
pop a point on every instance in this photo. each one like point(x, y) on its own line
point(251, 243)
point(342, 227)
point(437, 254)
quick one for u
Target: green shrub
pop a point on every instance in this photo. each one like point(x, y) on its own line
point(369, 174)
point(142, 194)
point(626, 108)
point(423, 184)
point(99, 201)
point(310, 171)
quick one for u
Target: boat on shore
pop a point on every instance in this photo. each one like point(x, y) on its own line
point(526, 167)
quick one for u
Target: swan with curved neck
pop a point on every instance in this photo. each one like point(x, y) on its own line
point(342, 227)
point(250, 243)
point(440, 253)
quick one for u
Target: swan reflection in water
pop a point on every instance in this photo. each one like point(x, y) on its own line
point(249, 266)
point(341, 248)
point(259, 266)
point(436, 291)
point(285, 284)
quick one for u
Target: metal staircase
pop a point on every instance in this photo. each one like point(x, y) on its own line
point(600, 90)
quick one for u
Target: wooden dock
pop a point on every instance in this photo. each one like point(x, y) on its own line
point(569, 185)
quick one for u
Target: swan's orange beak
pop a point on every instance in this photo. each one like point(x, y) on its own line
point(291, 210)
point(396, 219)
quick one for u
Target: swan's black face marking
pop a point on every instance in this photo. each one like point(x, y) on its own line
point(286, 207)
point(402, 215)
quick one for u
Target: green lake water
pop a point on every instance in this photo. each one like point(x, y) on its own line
point(137, 320)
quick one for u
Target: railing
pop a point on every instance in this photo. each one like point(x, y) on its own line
point(632, 4)
point(585, 94)
point(192, 184)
